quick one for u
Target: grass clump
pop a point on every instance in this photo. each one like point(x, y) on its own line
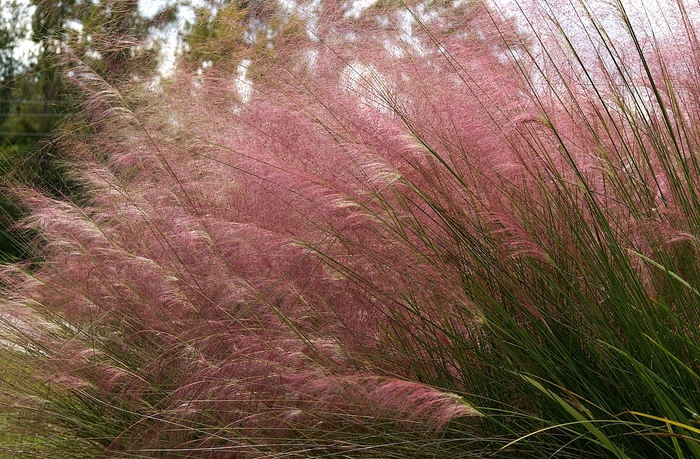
point(402, 231)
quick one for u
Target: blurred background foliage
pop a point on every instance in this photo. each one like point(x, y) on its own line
point(118, 39)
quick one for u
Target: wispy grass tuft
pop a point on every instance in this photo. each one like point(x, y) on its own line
point(410, 230)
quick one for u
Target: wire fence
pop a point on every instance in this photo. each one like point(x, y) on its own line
point(32, 115)
point(23, 134)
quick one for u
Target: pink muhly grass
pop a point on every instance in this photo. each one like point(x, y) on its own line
point(217, 281)
point(321, 261)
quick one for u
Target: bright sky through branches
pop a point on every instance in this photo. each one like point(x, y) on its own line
point(26, 50)
point(170, 36)
point(647, 14)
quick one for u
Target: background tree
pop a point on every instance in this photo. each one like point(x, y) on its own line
point(24, 117)
point(110, 37)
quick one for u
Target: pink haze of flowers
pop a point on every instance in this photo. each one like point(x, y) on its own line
point(258, 263)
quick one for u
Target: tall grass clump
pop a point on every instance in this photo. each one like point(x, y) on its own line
point(397, 229)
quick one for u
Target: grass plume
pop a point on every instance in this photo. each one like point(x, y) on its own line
point(403, 231)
